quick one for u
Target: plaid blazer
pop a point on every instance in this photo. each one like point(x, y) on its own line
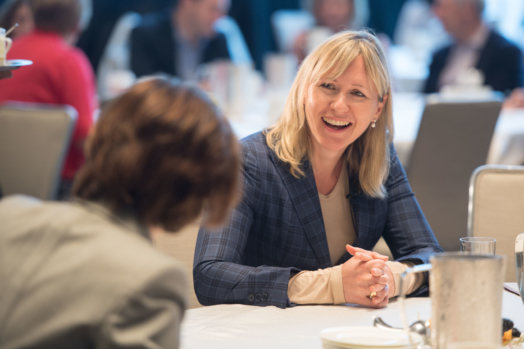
point(277, 229)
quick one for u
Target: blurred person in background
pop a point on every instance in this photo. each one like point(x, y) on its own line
point(17, 11)
point(60, 74)
point(475, 46)
point(333, 15)
point(176, 42)
point(158, 155)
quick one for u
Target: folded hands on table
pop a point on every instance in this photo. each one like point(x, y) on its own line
point(364, 274)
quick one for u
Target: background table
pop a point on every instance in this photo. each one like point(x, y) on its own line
point(243, 326)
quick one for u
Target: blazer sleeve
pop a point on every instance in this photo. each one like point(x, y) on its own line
point(219, 273)
point(407, 231)
point(140, 61)
point(435, 68)
point(150, 317)
point(510, 71)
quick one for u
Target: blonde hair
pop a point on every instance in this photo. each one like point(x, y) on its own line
point(368, 156)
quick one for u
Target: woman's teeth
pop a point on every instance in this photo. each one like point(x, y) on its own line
point(339, 124)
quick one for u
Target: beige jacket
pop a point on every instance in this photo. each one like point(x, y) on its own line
point(72, 275)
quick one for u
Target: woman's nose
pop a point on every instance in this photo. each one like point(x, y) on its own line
point(340, 104)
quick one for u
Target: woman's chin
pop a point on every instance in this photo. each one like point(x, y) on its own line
point(329, 145)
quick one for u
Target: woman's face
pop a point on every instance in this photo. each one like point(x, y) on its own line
point(339, 111)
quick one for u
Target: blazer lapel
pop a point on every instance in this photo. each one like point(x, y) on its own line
point(166, 46)
point(303, 192)
point(485, 55)
point(363, 211)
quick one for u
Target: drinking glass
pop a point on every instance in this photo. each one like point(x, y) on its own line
point(478, 245)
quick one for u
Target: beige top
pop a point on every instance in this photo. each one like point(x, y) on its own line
point(324, 286)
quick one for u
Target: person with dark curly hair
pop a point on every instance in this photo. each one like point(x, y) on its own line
point(84, 274)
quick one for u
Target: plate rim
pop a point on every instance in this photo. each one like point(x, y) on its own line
point(324, 332)
point(22, 63)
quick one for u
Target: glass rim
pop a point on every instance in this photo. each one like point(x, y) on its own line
point(477, 239)
point(462, 255)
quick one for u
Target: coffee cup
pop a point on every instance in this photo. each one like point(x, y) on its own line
point(5, 45)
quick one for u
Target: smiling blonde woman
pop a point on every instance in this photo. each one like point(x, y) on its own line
point(289, 137)
point(321, 185)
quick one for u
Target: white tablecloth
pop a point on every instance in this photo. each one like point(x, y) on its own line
point(243, 326)
point(507, 146)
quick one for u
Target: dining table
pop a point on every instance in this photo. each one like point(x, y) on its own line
point(507, 145)
point(236, 326)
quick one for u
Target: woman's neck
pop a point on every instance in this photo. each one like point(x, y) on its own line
point(327, 166)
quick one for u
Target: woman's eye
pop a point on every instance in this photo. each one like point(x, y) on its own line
point(328, 86)
point(358, 94)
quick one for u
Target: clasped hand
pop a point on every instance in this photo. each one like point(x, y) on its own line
point(364, 274)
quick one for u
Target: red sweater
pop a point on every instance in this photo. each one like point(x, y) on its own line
point(60, 74)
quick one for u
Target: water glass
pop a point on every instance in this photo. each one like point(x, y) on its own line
point(478, 245)
point(466, 300)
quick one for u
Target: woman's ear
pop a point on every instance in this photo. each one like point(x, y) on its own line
point(381, 105)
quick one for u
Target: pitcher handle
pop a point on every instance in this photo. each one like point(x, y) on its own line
point(402, 296)
point(519, 251)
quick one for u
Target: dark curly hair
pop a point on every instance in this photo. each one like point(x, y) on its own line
point(164, 150)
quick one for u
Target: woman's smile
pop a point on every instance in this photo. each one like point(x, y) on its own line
point(336, 125)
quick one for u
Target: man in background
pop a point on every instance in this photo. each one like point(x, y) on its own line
point(475, 46)
point(60, 73)
point(177, 42)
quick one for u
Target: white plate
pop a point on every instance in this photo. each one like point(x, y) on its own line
point(366, 337)
point(12, 64)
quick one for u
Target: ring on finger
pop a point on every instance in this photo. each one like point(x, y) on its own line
point(372, 295)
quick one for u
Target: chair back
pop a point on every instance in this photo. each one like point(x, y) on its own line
point(496, 209)
point(452, 141)
point(34, 140)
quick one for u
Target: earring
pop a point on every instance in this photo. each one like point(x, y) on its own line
point(374, 123)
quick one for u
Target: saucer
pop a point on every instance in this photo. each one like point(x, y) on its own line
point(368, 337)
point(12, 64)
